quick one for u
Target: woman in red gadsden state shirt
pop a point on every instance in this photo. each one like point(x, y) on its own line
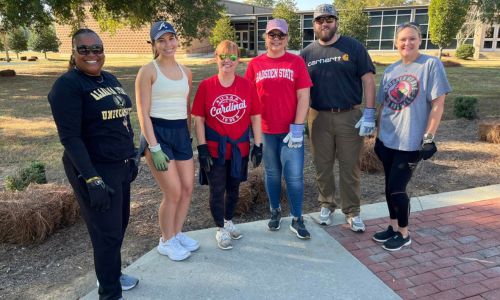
point(224, 107)
point(283, 85)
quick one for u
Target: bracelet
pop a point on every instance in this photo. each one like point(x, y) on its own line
point(92, 179)
point(155, 148)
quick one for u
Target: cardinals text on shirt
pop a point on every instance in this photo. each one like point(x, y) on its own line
point(274, 73)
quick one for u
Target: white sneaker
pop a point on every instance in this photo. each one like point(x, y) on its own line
point(356, 224)
point(223, 239)
point(234, 232)
point(173, 249)
point(188, 243)
point(325, 216)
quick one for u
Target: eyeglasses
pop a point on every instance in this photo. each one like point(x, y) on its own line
point(86, 50)
point(322, 20)
point(280, 36)
point(232, 57)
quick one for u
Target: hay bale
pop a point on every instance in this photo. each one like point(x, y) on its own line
point(32, 215)
point(253, 193)
point(7, 73)
point(369, 160)
point(489, 131)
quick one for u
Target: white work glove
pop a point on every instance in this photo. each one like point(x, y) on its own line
point(295, 138)
point(366, 124)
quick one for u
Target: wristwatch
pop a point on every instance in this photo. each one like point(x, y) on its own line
point(428, 138)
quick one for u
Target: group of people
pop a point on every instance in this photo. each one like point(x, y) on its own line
point(324, 85)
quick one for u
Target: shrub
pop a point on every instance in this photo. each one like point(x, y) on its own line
point(465, 107)
point(35, 172)
point(465, 51)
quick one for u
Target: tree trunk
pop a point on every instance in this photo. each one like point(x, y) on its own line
point(440, 53)
point(17, 54)
point(45, 52)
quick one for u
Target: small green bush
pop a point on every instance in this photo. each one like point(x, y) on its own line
point(35, 172)
point(465, 107)
point(465, 51)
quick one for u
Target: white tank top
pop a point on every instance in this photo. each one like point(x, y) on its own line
point(168, 97)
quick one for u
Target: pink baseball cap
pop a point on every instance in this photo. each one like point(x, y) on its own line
point(278, 24)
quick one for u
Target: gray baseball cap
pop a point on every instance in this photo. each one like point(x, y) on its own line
point(325, 10)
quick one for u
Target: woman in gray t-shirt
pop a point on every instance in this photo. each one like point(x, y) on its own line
point(411, 94)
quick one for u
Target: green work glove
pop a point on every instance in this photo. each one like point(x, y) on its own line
point(160, 159)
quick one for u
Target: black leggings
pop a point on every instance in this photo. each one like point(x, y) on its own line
point(398, 169)
point(220, 183)
point(106, 229)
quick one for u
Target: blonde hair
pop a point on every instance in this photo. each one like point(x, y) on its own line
point(227, 46)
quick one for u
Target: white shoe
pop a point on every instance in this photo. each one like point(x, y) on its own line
point(188, 243)
point(234, 232)
point(325, 216)
point(173, 249)
point(223, 239)
point(356, 224)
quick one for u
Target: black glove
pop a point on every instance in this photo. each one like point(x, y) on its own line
point(428, 150)
point(100, 195)
point(256, 155)
point(204, 158)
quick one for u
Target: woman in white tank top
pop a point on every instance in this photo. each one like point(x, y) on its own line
point(163, 107)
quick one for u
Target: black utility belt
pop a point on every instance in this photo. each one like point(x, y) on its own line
point(340, 109)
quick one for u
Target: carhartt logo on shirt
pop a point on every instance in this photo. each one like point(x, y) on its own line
point(228, 109)
point(274, 73)
point(328, 60)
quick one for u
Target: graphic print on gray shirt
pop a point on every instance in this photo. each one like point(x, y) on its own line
point(406, 93)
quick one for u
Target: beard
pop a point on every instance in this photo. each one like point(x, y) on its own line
point(326, 36)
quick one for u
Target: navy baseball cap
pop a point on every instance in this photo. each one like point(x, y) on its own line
point(159, 28)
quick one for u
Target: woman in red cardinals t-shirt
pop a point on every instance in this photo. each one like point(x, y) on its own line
point(224, 107)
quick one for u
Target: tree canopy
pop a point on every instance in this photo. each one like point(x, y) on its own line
point(17, 40)
point(223, 30)
point(353, 20)
point(263, 3)
point(445, 20)
point(44, 40)
point(109, 13)
point(287, 9)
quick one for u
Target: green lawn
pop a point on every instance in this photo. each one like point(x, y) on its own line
point(27, 131)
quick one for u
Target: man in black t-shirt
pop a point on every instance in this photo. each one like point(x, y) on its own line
point(341, 71)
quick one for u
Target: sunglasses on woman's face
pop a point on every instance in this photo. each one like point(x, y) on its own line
point(274, 35)
point(232, 57)
point(86, 50)
point(322, 20)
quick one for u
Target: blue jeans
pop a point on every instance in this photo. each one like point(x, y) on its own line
point(279, 159)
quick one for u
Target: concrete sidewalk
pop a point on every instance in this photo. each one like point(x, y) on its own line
point(276, 265)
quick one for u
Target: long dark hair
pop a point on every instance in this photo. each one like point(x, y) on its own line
point(80, 31)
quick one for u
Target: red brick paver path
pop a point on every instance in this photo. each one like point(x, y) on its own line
point(455, 252)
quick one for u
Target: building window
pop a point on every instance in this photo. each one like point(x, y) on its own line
point(307, 30)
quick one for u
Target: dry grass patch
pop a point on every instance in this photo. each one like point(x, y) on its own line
point(32, 215)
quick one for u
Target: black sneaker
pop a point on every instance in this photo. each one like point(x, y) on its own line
point(383, 236)
point(275, 221)
point(396, 242)
point(299, 228)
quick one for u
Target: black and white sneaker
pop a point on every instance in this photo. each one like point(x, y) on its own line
point(396, 242)
point(383, 236)
point(275, 221)
point(299, 228)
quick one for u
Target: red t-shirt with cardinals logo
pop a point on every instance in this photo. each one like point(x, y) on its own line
point(277, 81)
point(227, 110)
